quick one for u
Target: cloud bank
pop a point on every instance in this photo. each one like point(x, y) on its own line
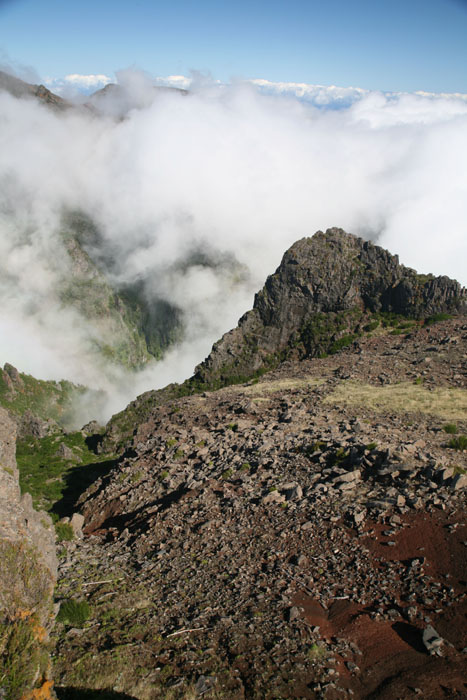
point(75, 84)
point(228, 170)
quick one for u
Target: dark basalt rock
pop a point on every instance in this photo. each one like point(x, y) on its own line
point(323, 289)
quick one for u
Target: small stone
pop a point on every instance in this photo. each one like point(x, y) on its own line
point(293, 614)
point(359, 517)
point(346, 486)
point(459, 482)
point(66, 452)
point(353, 668)
point(355, 475)
point(77, 522)
point(273, 497)
point(432, 640)
point(204, 684)
point(292, 492)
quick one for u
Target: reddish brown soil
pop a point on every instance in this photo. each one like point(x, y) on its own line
point(394, 662)
point(425, 535)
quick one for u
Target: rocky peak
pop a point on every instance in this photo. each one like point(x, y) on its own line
point(18, 88)
point(325, 288)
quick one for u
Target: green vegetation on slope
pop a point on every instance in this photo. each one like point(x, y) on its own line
point(128, 329)
point(25, 607)
point(56, 469)
point(116, 324)
point(20, 392)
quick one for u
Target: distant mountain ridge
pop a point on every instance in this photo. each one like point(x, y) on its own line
point(19, 88)
point(97, 103)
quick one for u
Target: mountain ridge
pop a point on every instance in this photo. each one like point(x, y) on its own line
point(332, 272)
point(316, 302)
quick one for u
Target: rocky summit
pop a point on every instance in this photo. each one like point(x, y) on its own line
point(316, 301)
point(298, 534)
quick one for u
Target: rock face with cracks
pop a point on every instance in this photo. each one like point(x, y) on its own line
point(27, 577)
point(323, 288)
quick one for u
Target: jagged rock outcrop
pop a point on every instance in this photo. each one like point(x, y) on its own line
point(324, 290)
point(328, 291)
point(27, 576)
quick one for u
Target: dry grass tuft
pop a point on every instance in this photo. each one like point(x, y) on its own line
point(271, 387)
point(446, 403)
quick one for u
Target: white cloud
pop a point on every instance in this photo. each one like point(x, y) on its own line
point(319, 95)
point(74, 84)
point(88, 81)
point(177, 81)
point(339, 97)
point(229, 169)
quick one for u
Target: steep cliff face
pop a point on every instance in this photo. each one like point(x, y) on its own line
point(125, 326)
point(27, 577)
point(325, 290)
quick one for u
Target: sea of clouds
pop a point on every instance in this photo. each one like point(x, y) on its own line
point(241, 170)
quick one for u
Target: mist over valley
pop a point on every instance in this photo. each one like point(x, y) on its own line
point(136, 228)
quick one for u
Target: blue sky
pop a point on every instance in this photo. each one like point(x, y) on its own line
point(389, 45)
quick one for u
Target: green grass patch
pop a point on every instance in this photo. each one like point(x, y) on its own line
point(74, 612)
point(458, 443)
point(373, 325)
point(64, 532)
point(450, 428)
point(49, 477)
point(342, 342)
point(19, 658)
point(25, 605)
point(137, 476)
point(436, 318)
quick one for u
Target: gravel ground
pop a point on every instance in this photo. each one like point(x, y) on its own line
point(275, 540)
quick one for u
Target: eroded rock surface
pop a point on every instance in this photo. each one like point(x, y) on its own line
point(323, 290)
point(27, 577)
